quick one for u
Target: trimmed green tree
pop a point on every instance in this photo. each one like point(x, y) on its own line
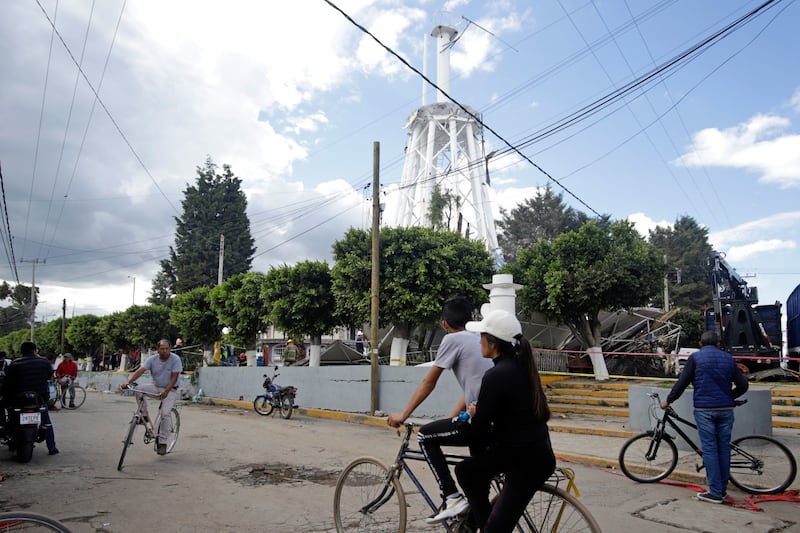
point(301, 302)
point(419, 269)
point(238, 303)
point(580, 273)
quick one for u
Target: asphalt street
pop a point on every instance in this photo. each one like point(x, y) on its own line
point(233, 470)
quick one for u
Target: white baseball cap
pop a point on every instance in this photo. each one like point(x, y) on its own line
point(499, 323)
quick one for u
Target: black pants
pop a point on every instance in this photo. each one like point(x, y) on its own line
point(432, 436)
point(525, 468)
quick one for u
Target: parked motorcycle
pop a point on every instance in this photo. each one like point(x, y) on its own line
point(25, 427)
point(275, 396)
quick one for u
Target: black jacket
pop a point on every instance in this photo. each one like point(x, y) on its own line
point(28, 373)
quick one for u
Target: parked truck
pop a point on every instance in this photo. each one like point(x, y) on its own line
point(793, 329)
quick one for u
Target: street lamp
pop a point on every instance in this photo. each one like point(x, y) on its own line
point(133, 300)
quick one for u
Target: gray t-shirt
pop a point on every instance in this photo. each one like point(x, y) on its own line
point(461, 352)
point(162, 371)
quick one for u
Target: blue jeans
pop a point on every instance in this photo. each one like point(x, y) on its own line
point(715, 428)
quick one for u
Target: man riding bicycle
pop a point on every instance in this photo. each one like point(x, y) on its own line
point(66, 375)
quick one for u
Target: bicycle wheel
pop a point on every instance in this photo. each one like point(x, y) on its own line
point(554, 510)
point(366, 499)
point(31, 522)
point(80, 397)
point(172, 439)
point(647, 460)
point(262, 405)
point(287, 404)
point(127, 442)
point(761, 465)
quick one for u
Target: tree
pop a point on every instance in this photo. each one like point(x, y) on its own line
point(48, 338)
point(194, 318)
point(115, 328)
point(214, 206)
point(686, 248)
point(84, 334)
point(580, 273)
point(17, 315)
point(543, 217)
point(147, 324)
point(443, 207)
point(239, 304)
point(11, 342)
point(419, 269)
point(301, 301)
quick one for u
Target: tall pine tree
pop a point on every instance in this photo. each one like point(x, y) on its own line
point(215, 205)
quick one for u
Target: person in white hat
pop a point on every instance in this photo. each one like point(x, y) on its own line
point(509, 423)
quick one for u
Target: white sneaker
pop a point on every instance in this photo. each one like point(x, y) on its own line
point(453, 507)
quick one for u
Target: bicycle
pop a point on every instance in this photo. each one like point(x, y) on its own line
point(62, 395)
point(30, 522)
point(369, 497)
point(151, 430)
point(759, 464)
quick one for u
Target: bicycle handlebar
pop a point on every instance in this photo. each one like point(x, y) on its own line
point(133, 388)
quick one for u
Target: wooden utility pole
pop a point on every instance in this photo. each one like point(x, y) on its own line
point(33, 291)
point(63, 320)
point(375, 282)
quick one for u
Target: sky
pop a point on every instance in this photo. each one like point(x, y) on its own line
point(292, 95)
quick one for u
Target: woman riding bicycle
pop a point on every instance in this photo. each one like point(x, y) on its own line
point(509, 422)
point(66, 376)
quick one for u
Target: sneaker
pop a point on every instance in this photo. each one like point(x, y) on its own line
point(454, 507)
point(708, 497)
point(52, 451)
point(432, 518)
point(162, 449)
point(72, 405)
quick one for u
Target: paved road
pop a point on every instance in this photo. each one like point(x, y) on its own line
point(236, 471)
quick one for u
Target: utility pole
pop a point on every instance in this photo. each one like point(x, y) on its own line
point(666, 288)
point(375, 281)
point(133, 299)
point(221, 257)
point(63, 320)
point(33, 291)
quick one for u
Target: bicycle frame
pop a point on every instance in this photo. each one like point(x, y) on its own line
point(405, 454)
point(669, 418)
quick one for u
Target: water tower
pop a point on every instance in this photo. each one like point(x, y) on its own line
point(445, 150)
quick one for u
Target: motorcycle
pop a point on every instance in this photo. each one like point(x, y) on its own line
point(275, 396)
point(24, 428)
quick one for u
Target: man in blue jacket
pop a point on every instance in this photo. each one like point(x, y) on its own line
point(712, 372)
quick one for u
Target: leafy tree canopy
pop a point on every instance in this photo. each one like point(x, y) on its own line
point(301, 299)
point(147, 324)
point(582, 272)
point(48, 338)
point(238, 304)
point(215, 205)
point(84, 334)
point(419, 269)
point(543, 217)
point(16, 315)
point(194, 319)
point(687, 249)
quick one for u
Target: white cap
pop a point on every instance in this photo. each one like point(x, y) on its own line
point(499, 323)
point(359, 332)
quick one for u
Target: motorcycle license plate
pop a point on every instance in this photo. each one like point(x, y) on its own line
point(30, 418)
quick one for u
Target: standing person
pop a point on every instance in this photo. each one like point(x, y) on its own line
point(459, 351)
point(29, 372)
point(66, 375)
point(165, 369)
point(712, 371)
point(360, 338)
point(290, 355)
point(509, 425)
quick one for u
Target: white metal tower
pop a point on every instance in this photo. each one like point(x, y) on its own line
point(445, 148)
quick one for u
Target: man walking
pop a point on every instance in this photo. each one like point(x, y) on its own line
point(712, 371)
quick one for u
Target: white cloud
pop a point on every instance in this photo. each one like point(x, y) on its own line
point(794, 101)
point(759, 145)
point(739, 253)
point(645, 224)
point(778, 225)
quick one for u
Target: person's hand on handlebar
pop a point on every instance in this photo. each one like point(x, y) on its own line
point(395, 420)
point(664, 404)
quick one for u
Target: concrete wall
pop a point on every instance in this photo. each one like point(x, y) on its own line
point(338, 388)
point(754, 417)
